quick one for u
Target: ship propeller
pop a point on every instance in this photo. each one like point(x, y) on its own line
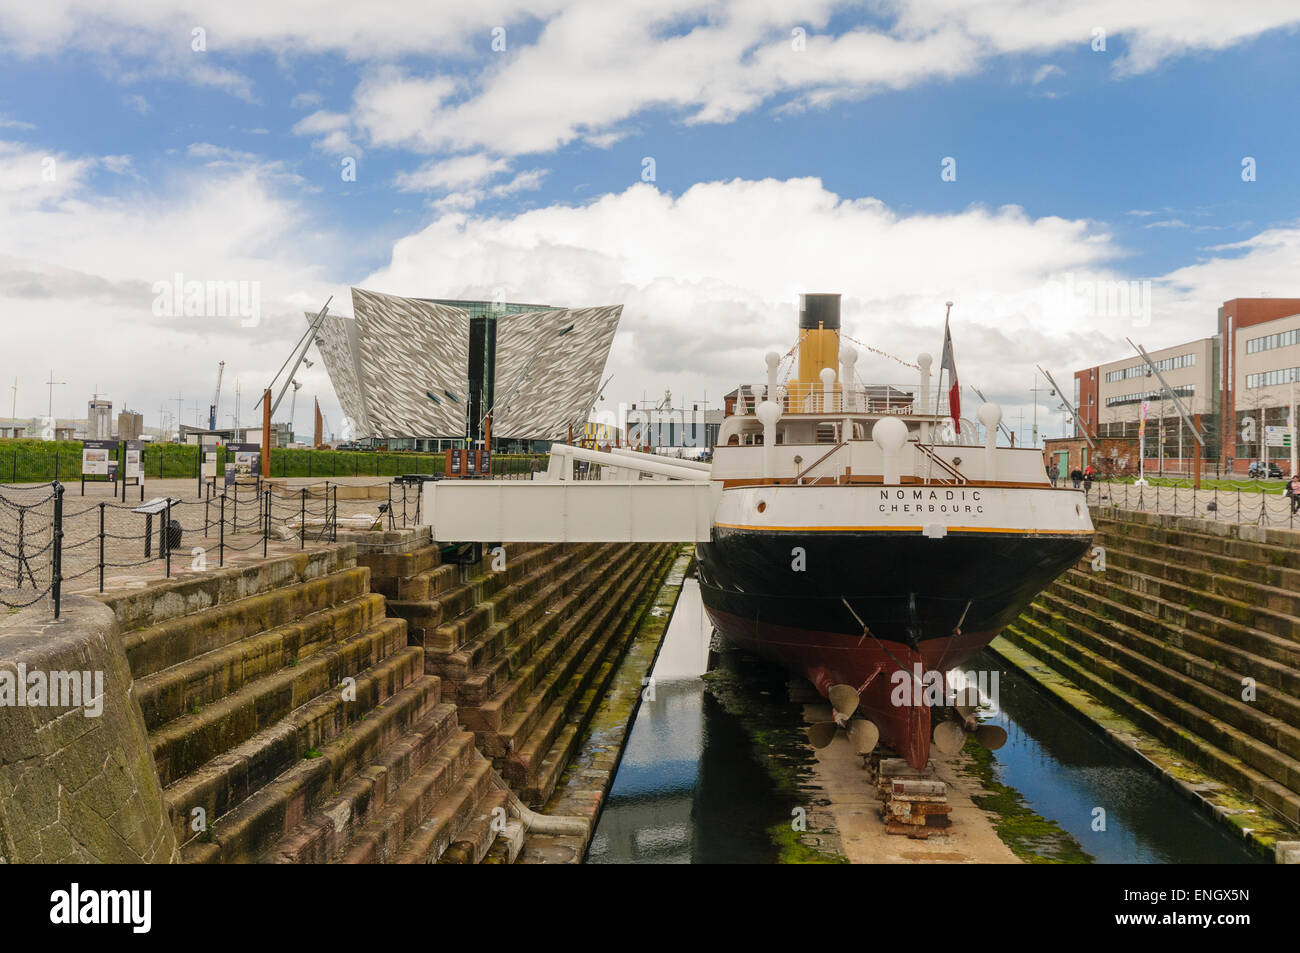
point(992, 737)
point(861, 733)
point(949, 737)
point(822, 733)
point(844, 699)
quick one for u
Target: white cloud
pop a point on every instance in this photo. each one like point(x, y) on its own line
point(458, 172)
point(594, 66)
point(331, 130)
point(118, 165)
point(1046, 71)
point(709, 281)
point(75, 266)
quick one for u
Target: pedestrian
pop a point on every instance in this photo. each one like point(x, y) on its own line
point(1293, 491)
point(1055, 473)
point(1077, 476)
point(1087, 478)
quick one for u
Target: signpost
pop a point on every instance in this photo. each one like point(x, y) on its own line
point(248, 458)
point(209, 469)
point(97, 461)
point(133, 466)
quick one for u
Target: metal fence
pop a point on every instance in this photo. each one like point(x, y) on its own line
point(1239, 504)
point(46, 543)
point(31, 525)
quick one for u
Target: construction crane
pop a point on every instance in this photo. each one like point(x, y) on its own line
point(216, 398)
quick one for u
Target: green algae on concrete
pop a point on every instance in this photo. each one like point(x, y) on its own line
point(1256, 825)
point(754, 693)
point(1032, 837)
point(585, 783)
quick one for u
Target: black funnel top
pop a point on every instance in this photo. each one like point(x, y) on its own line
point(819, 309)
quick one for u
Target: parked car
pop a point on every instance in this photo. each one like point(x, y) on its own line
point(1258, 469)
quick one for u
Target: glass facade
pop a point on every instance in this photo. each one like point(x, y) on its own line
point(1284, 375)
point(1140, 370)
point(1270, 341)
point(1182, 390)
point(483, 355)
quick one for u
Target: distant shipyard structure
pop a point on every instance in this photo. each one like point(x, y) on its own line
point(425, 373)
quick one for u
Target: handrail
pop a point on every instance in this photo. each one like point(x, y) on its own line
point(957, 475)
point(820, 460)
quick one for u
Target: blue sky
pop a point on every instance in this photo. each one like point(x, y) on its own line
point(521, 169)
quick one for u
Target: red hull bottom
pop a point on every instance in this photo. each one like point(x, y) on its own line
point(829, 658)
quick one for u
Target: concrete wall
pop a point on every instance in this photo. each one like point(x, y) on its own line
point(73, 788)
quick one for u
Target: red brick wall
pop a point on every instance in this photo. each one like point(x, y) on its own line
point(1089, 407)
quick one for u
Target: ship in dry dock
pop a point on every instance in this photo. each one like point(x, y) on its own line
point(865, 540)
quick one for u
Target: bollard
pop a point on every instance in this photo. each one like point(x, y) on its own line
point(57, 558)
point(101, 546)
point(221, 534)
point(167, 537)
point(302, 527)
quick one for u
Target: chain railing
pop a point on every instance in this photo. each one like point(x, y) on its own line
point(1231, 504)
point(45, 546)
point(31, 519)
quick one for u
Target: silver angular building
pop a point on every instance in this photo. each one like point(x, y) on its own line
point(424, 373)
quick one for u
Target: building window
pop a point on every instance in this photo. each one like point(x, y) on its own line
point(1270, 341)
point(1139, 370)
point(1283, 375)
point(1182, 390)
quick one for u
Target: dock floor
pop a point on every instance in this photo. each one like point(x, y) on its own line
point(855, 806)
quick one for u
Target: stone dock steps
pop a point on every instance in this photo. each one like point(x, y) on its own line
point(545, 773)
point(288, 713)
point(321, 707)
point(1216, 659)
point(526, 652)
point(1106, 683)
point(1190, 630)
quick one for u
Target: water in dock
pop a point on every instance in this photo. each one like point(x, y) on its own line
point(690, 789)
point(1065, 769)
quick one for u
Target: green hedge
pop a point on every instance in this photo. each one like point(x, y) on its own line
point(41, 461)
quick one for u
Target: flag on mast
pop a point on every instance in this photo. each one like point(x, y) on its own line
point(949, 364)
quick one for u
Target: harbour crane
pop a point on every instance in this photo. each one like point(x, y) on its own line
point(216, 398)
